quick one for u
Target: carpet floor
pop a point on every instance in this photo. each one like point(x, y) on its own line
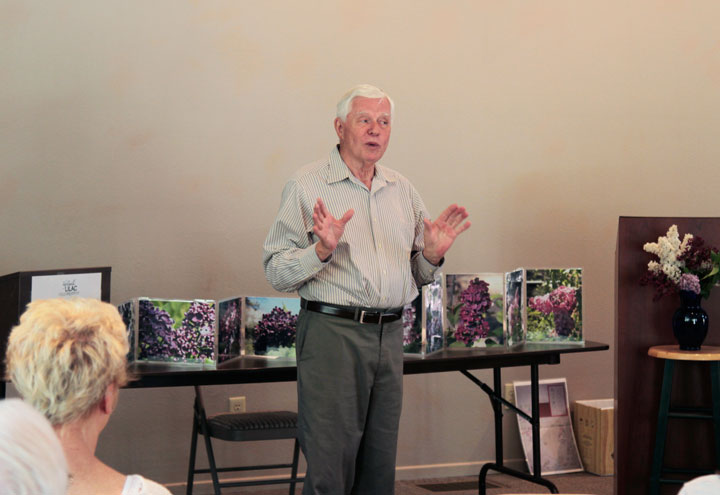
point(497, 484)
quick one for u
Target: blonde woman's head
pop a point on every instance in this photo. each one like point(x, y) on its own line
point(64, 355)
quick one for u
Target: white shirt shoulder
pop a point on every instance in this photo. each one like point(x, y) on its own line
point(704, 485)
point(137, 485)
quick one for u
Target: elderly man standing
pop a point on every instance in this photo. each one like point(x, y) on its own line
point(354, 239)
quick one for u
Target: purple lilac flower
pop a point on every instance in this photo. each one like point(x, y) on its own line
point(476, 301)
point(563, 298)
point(561, 302)
point(155, 331)
point(275, 329)
point(541, 303)
point(192, 341)
point(663, 284)
point(689, 282)
point(196, 336)
point(697, 257)
point(564, 324)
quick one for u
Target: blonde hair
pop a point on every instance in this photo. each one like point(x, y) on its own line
point(64, 355)
point(32, 461)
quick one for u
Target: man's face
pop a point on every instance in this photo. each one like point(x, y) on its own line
point(365, 134)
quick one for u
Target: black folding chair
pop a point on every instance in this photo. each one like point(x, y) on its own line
point(241, 427)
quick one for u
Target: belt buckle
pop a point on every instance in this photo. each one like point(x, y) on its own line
point(364, 313)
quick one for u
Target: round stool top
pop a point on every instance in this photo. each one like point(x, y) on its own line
point(706, 353)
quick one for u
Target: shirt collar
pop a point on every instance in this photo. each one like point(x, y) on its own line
point(339, 171)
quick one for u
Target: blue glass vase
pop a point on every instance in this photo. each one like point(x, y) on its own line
point(690, 322)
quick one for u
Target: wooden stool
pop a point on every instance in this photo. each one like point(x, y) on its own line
point(671, 354)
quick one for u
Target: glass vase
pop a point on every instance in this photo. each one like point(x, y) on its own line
point(690, 322)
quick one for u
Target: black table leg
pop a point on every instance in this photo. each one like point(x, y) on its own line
point(534, 419)
point(498, 415)
point(535, 422)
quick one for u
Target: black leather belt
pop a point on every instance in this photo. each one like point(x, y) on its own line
point(361, 315)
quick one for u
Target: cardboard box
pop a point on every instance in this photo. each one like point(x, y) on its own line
point(593, 422)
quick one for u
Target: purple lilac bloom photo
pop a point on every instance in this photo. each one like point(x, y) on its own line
point(412, 326)
point(229, 328)
point(475, 310)
point(162, 338)
point(275, 329)
point(554, 305)
point(476, 301)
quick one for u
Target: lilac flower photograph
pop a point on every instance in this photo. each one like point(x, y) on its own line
point(270, 326)
point(412, 327)
point(229, 328)
point(433, 321)
point(554, 305)
point(127, 312)
point(474, 310)
point(514, 307)
point(176, 331)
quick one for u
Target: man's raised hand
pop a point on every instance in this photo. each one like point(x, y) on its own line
point(328, 229)
point(440, 234)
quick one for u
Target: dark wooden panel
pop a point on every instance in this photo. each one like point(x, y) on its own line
point(640, 324)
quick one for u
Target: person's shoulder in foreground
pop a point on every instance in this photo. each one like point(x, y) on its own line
point(137, 485)
point(32, 461)
point(704, 485)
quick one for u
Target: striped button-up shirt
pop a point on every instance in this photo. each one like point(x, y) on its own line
point(378, 262)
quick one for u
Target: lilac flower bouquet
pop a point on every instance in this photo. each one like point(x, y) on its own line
point(682, 265)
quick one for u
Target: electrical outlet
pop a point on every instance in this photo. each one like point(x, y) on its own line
point(237, 404)
point(509, 394)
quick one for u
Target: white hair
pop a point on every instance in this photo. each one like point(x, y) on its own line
point(32, 461)
point(366, 91)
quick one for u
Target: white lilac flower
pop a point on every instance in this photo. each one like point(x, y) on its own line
point(673, 272)
point(668, 249)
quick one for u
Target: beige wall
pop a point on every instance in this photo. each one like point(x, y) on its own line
point(155, 137)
